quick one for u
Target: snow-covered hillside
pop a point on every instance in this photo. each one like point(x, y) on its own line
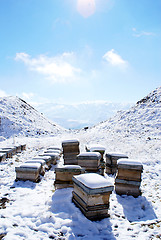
point(19, 118)
point(37, 211)
point(142, 120)
point(79, 115)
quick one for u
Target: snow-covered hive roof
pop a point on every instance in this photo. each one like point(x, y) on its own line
point(19, 118)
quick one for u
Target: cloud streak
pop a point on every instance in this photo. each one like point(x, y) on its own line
point(142, 33)
point(115, 59)
point(56, 69)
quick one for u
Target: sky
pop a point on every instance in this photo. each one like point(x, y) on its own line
point(72, 51)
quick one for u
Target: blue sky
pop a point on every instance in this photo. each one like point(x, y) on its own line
point(80, 50)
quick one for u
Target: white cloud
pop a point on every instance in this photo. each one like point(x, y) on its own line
point(114, 59)
point(142, 33)
point(56, 69)
point(3, 93)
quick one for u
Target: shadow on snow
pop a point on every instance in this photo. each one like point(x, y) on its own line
point(79, 226)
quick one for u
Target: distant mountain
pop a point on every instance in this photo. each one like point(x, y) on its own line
point(77, 116)
point(19, 118)
point(141, 120)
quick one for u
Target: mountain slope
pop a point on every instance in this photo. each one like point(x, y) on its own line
point(143, 119)
point(19, 118)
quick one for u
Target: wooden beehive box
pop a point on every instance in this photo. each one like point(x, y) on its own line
point(111, 161)
point(47, 159)
point(55, 149)
point(54, 156)
point(91, 194)
point(63, 175)
point(70, 151)
point(7, 151)
point(70, 146)
point(28, 171)
point(89, 160)
point(128, 178)
point(12, 148)
point(96, 148)
point(41, 161)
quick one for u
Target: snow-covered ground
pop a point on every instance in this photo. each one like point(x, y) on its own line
point(36, 211)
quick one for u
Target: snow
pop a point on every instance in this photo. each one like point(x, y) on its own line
point(93, 180)
point(72, 167)
point(30, 165)
point(134, 162)
point(96, 147)
point(89, 154)
point(37, 211)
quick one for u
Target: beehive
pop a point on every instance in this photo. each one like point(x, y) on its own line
point(28, 171)
point(89, 160)
point(70, 151)
point(63, 175)
point(128, 178)
point(41, 161)
point(7, 151)
point(91, 194)
point(47, 159)
point(54, 156)
point(111, 161)
point(96, 148)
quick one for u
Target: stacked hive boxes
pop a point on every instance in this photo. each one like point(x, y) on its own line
point(101, 150)
point(63, 175)
point(128, 178)
point(70, 151)
point(90, 161)
point(91, 194)
point(111, 162)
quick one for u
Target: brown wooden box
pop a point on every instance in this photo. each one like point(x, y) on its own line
point(91, 194)
point(111, 161)
point(89, 160)
point(63, 175)
point(28, 171)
